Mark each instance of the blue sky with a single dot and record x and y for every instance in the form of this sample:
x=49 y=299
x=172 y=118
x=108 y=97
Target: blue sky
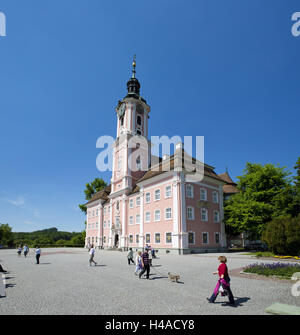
x=227 y=70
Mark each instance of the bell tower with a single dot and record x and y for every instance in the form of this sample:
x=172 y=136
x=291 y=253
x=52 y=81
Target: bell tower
x=132 y=121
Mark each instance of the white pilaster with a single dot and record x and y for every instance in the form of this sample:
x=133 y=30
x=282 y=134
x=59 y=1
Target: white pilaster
x=123 y=236
x=223 y=235
x=175 y=235
x=99 y=224
x=141 y=240
x=184 y=234
x=110 y=242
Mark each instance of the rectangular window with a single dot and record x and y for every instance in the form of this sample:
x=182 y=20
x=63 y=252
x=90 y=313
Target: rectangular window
x=157 y=194
x=216 y=216
x=157 y=238
x=108 y=209
x=104 y=239
x=96 y=212
x=138 y=201
x=191 y=238
x=147 y=217
x=168 y=213
x=203 y=194
x=189 y=191
x=190 y=213
x=131 y=203
x=130 y=238
x=148 y=240
x=204 y=238
x=168 y=237
x=147 y=198
x=157 y=215
x=130 y=219
x=104 y=210
x=204 y=215
x=108 y=224
x=93 y=213
x=217 y=238
x=96 y=239
x=117 y=223
x=215 y=197
x=137 y=238
x=104 y=224
x=168 y=192
x=92 y=239
x=137 y=219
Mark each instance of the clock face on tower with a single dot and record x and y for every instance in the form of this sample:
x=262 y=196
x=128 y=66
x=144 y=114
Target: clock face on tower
x=121 y=110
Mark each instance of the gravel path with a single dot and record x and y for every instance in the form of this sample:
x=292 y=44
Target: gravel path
x=63 y=283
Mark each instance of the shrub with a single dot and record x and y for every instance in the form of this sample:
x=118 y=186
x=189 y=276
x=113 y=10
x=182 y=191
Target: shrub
x=283 y=235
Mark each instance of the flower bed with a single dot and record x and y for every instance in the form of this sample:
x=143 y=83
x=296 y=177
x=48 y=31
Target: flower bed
x=285 y=270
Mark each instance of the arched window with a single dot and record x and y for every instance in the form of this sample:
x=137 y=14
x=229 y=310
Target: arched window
x=139 y=120
x=138 y=163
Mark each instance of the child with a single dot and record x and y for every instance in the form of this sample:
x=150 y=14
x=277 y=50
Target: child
x=138 y=263
x=37 y=254
x=19 y=250
x=130 y=256
x=223 y=282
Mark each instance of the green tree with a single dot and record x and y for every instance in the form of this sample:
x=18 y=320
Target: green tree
x=6 y=235
x=294 y=207
x=265 y=191
x=90 y=189
x=282 y=235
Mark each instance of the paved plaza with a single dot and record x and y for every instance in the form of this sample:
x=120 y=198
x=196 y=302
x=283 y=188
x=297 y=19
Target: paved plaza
x=64 y=283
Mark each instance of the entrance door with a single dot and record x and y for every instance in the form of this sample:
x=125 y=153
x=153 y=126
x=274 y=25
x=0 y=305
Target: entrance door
x=116 y=240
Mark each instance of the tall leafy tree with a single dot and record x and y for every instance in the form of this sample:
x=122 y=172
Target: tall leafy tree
x=91 y=188
x=265 y=191
x=294 y=208
x=6 y=235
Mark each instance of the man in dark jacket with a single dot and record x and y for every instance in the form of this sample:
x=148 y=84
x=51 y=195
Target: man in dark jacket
x=145 y=264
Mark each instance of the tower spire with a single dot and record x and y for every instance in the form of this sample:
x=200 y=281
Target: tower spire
x=133 y=67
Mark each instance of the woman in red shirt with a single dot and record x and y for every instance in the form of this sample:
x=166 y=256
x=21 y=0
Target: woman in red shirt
x=223 y=282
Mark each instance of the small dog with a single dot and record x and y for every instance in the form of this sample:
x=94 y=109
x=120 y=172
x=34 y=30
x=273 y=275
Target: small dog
x=173 y=277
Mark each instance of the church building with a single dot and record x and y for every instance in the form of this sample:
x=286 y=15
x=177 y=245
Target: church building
x=154 y=206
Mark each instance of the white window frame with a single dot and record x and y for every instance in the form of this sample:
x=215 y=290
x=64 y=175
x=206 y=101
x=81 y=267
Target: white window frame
x=218 y=214
x=193 y=213
x=138 y=201
x=131 y=219
x=155 y=238
x=148 y=212
x=166 y=193
x=155 y=194
x=137 y=238
x=148 y=193
x=129 y=238
x=215 y=200
x=205 y=232
x=206 y=214
x=205 y=192
x=168 y=232
x=192 y=191
x=168 y=218
x=157 y=210
x=217 y=233
x=137 y=219
x=146 y=238
x=192 y=232
x=130 y=203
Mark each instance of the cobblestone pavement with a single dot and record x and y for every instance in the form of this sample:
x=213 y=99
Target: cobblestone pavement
x=64 y=283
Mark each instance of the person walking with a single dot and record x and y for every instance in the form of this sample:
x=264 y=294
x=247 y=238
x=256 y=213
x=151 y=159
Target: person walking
x=19 y=250
x=92 y=254
x=150 y=255
x=145 y=264
x=25 y=250
x=130 y=256
x=223 y=284
x=138 y=263
x=37 y=254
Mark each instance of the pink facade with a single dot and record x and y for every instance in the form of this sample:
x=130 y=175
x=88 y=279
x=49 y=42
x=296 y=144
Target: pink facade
x=163 y=209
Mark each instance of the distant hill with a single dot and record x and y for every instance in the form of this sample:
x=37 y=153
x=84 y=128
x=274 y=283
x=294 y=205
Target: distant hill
x=48 y=237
